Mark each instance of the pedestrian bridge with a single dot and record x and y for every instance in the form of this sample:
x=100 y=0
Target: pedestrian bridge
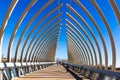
x=30 y=30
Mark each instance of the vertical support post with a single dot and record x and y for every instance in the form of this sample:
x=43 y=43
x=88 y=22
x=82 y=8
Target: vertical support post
x=29 y=69
x=11 y=73
x=18 y=69
x=82 y=71
x=101 y=77
x=37 y=68
x=40 y=66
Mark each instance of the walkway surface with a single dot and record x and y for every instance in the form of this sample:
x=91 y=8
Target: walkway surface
x=50 y=73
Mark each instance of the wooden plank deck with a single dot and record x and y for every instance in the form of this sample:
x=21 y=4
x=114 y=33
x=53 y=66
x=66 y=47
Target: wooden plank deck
x=51 y=73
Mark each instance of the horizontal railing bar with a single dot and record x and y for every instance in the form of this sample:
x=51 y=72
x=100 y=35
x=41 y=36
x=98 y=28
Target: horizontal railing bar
x=4 y=66
x=96 y=70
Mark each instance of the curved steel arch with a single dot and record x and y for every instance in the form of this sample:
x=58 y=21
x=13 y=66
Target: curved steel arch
x=78 y=41
x=88 y=27
x=76 y=56
x=79 y=50
x=5 y=21
x=47 y=53
x=27 y=26
x=38 y=46
x=48 y=56
x=38 y=30
x=97 y=28
x=50 y=43
x=41 y=40
x=33 y=38
x=58 y=29
x=44 y=48
x=70 y=57
x=73 y=38
x=43 y=33
x=85 y=41
x=51 y=53
x=38 y=40
x=18 y=24
x=81 y=42
x=116 y=10
x=94 y=52
x=59 y=6
x=52 y=38
x=41 y=47
x=7 y=16
x=38 y=51
x=109 y=34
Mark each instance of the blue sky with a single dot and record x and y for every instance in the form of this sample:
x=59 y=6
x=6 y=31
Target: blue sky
x=61 y=51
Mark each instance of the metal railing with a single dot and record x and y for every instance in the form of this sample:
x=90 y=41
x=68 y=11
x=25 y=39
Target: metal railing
x=89 y=72
x=12 y=70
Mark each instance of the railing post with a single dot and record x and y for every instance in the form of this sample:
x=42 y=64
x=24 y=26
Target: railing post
x=92 y=75
x=101 y=77
x=18 y=72
x=40 y=67
x=79 y=69
x=11 y=73
x=85 y=71
x=82 y=71
x=29 y=68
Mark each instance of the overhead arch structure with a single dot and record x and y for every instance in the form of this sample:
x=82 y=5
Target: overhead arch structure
x=29 y=32
x=44 y=35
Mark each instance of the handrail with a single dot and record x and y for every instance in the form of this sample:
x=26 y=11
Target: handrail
x=115 y=75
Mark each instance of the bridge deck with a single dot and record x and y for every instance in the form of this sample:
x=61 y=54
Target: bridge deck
x=51 y=73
